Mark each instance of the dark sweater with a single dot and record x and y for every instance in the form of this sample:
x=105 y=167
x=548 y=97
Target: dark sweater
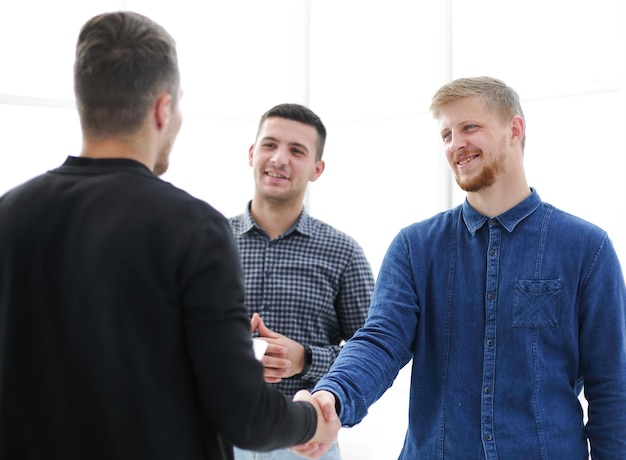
x=123 y=332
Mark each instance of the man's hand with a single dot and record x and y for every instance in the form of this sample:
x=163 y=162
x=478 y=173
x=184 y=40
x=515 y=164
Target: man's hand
x=328 y=424
x=283 y=358
x=327 y=403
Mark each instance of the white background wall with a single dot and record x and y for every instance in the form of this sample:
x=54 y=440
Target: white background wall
x=369 y=69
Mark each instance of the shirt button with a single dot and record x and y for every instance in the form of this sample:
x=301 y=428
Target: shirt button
x=488 y=437
x=490 y=296
x=487 y=390
x=494 y=253
x=490 y=342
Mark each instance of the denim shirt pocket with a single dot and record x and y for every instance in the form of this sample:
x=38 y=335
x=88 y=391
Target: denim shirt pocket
x=537 y=303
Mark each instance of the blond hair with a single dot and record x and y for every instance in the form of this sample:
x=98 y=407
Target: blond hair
x=494 y=93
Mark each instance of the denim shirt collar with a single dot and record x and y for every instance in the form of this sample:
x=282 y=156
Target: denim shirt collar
x=509 y=219
x=303 y=224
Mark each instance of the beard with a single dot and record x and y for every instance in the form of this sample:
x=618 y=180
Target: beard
x=163 y=160
x=278 y=198
x=160 y=168
x=484 y=179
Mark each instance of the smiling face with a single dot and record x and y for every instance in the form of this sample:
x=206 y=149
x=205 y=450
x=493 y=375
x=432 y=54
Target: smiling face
x=283 y=161
x=476 y=143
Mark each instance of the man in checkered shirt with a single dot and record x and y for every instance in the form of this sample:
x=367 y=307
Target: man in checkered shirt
x=308 y=285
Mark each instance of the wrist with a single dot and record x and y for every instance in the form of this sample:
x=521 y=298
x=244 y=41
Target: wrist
x=308 y=359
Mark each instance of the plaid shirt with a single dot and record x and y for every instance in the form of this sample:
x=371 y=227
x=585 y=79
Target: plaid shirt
x=312 y=284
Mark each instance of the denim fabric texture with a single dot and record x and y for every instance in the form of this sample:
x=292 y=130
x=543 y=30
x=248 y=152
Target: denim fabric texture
x=505 y=319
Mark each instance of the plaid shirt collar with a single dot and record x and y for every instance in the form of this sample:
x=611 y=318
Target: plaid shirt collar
x=303 y=224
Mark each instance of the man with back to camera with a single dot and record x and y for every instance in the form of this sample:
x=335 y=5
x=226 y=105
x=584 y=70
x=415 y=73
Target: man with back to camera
x=308 y=286
x=506 y=305
x=123 y=332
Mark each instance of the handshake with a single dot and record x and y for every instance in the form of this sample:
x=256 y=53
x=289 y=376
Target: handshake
x=328 y=424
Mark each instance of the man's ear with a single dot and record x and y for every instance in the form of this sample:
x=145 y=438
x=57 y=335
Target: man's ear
x=518 y=128
x=163 y=110
x=317 y=172
x=250 y=154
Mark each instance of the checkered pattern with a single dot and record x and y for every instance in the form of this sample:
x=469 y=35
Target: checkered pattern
x=312 y=284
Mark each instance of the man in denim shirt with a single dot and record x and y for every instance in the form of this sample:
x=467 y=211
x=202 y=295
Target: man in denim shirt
x=506 y=305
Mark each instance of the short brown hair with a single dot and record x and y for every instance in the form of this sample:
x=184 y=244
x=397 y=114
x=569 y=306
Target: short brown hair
x=123 y=60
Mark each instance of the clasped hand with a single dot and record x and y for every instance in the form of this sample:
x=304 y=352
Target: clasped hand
x=328 y=424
